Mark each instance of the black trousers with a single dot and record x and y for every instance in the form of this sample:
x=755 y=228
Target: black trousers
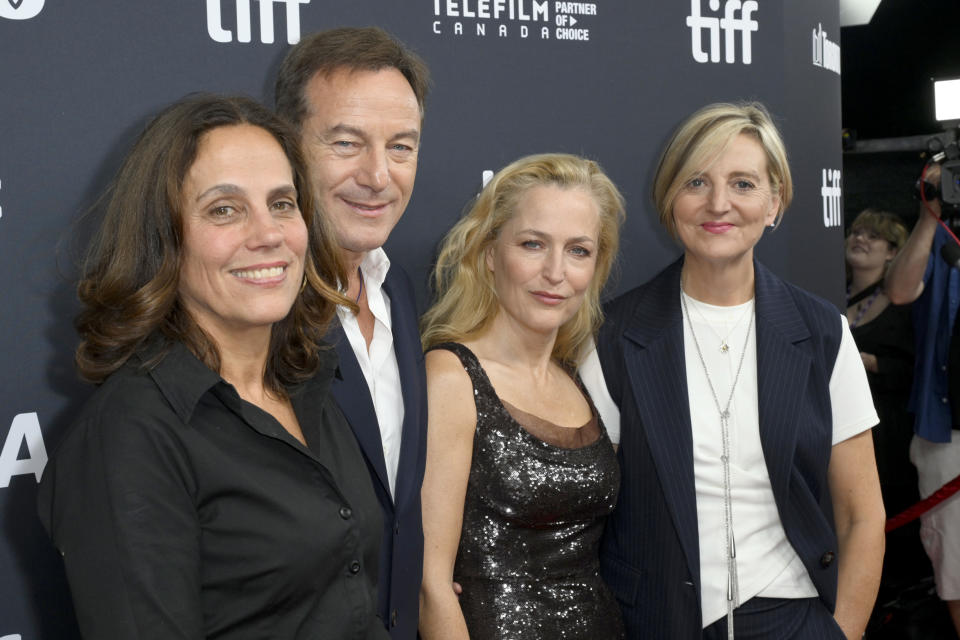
x=778 y=619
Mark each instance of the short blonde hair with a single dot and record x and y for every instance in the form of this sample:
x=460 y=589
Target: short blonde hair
x=466 y=300
x=702 y=137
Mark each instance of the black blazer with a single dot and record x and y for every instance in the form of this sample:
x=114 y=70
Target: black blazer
x=650 y=553
x=401 y=556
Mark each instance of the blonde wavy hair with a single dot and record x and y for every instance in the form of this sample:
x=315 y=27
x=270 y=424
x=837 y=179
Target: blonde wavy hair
x=466 y=300
x=702 y=138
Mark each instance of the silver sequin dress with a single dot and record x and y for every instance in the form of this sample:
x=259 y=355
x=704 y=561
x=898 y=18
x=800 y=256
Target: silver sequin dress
x=537 y=498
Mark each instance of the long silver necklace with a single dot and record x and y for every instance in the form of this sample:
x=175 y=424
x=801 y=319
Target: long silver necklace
x=733 y=584
x=724 y=345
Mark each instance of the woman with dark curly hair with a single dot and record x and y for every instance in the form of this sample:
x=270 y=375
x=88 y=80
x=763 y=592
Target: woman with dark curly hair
x=211 y=488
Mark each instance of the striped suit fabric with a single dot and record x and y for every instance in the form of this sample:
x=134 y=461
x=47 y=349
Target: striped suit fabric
x=650 y=550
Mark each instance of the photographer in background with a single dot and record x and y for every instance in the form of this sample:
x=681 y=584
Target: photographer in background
x=918 y=273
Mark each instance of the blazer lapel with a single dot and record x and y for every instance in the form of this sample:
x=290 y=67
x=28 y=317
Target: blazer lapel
x=657 y=370
x=406 y=345
x=782 y=368
x=352 y=394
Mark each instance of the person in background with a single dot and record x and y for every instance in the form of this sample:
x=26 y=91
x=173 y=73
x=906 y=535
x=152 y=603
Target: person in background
x=211 y=488
x=920 y=276
x=356 y=97
x=521 y=474
x=884 y=335
x=750 y=505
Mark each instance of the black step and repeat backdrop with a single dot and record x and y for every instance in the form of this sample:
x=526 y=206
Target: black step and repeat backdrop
x=608 y=79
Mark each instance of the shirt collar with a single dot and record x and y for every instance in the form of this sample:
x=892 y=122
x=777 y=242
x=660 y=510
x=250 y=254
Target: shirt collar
x=374 y=267
x=183 y=379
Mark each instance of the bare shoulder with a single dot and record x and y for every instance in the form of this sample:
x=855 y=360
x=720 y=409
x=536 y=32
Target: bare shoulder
x=449 y=390
x=444 y=365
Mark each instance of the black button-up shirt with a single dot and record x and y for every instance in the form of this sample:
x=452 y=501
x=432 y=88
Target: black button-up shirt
x=183 y=511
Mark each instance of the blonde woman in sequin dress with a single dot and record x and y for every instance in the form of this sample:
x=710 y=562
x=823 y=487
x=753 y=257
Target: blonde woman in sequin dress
x=520 y=471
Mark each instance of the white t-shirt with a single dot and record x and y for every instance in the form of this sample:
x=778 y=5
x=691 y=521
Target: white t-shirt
x=767 y=564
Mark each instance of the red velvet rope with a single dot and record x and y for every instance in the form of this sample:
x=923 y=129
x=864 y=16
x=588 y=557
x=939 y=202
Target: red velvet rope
x=912 y=513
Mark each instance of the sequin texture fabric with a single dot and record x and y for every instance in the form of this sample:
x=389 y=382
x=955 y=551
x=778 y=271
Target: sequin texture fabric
x=534 y=511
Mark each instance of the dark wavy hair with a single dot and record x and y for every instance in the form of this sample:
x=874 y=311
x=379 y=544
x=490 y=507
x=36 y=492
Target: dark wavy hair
x=129 y=284
x=350 y=48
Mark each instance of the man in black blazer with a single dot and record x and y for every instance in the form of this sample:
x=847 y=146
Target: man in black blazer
x=356 y=96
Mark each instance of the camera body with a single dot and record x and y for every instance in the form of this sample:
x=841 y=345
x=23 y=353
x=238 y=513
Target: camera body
x=950 y=182
x=948 y=192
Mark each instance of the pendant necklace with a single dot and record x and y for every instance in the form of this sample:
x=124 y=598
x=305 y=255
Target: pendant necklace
x=359 y=293
x=733 y=585
x=863 y=307
x=724 y=345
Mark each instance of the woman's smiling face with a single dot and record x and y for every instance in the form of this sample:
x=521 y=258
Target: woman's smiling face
x=244 y=239
x=720 y=214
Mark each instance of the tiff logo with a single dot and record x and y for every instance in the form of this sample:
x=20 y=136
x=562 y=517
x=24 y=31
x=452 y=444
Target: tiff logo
x=20 y=10
x=737 y=16
x=830 y=192
x=219 y=34
x=826 y=54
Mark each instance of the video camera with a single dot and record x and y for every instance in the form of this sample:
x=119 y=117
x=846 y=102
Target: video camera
x=949 y=159
x=950 y=181
x=948 y=193
x=946 y=99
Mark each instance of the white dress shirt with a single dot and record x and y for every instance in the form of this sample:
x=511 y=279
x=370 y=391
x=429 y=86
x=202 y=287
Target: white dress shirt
x=379 y=363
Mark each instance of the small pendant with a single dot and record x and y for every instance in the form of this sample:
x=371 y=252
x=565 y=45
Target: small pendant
x=724 y=347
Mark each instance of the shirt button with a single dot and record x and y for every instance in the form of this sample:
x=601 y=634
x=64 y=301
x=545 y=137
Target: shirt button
x=393 y=618
x=944 y=400
x=827 y=559
x=345 y=513
x=396 y=528
x=355 y=567
x=943 y=367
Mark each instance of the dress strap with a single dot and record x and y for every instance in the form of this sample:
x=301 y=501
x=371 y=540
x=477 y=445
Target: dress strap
x=483 y=388
x=466 y=356
x=593 y=408
x=471 y=364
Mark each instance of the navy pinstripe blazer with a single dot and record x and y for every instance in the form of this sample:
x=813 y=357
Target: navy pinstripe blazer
x=401 y=553
x=650 y=550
